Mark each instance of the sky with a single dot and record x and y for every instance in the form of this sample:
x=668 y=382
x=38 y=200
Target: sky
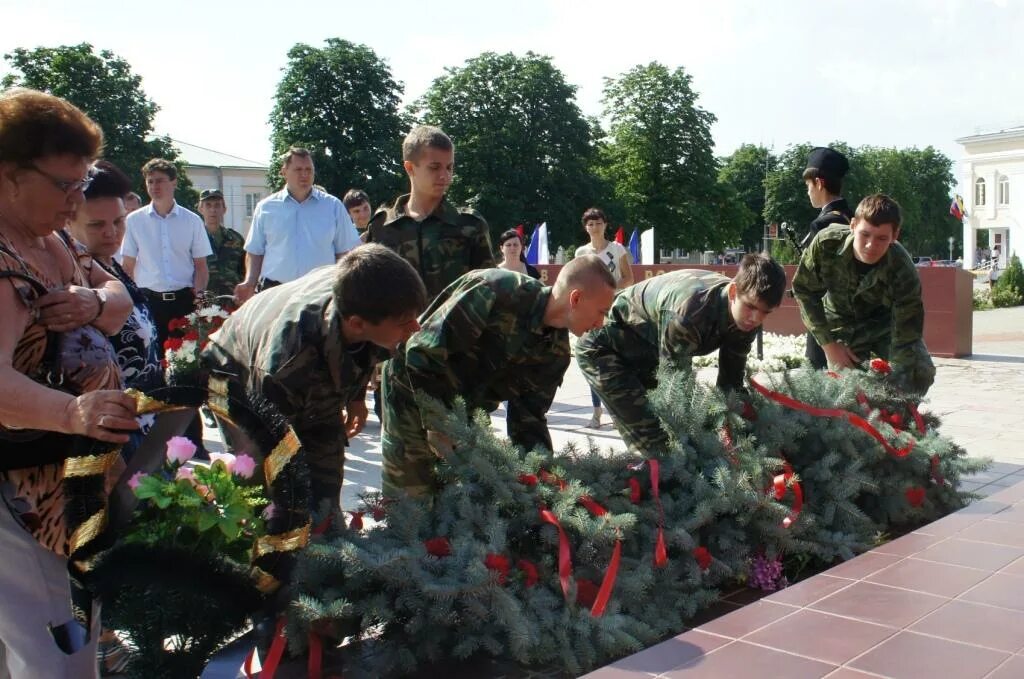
x=887 y=73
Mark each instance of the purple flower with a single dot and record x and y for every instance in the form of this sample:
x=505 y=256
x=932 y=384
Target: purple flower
x=180 y=449
x=766 y=574
x=135 y=480
x=269 y=511
x=244 y=466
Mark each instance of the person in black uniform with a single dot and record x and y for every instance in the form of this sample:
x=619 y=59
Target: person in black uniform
x=824 y=179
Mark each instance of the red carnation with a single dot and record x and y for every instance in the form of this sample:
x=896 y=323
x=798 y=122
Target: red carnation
x=703 y=557
x=529 y=572
x=498 y=563
x=176 y=323
x=634 y=490
x=586 y=593
x=191 y=335
x=528 y=479
x=880 y=365
x=357 y=521
x=915 y=496
x=438 y=547
x=172 y=344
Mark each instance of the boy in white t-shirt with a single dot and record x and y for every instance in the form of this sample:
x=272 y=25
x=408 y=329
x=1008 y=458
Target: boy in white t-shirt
x=617 y=259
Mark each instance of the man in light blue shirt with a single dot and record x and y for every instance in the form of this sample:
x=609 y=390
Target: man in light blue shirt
x=295 y=230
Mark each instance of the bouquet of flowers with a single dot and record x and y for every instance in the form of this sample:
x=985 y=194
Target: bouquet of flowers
x=179 y=583
x=189 y=336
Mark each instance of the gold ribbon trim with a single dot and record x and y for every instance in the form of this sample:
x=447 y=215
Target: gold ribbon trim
x=145 y=404
x=279 y=457
x=89 y=465
x=265 y=582
x=88 y=531
x=282 y=542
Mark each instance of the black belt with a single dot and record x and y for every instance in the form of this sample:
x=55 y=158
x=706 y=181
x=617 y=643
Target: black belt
x=266 y=284
x=165 y=296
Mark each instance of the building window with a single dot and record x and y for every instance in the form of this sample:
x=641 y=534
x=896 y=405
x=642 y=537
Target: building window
x=251 y=199
x=979 y=191
x=1003 y=196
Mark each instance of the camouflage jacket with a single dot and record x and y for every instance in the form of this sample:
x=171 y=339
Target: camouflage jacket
x=682 y=314
x=876 y=309
x=442 y=247
x=286 y=345
x=227 y=263
x=484 y=338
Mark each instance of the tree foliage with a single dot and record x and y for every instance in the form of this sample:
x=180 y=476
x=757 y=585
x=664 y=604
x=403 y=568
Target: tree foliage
x=745 y=170
x=342 y=103
x=659 y=155
x=524 y=153
x=104 y=86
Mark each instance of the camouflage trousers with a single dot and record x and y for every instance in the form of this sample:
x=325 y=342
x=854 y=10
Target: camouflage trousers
x=621 y=367
x=409 y=458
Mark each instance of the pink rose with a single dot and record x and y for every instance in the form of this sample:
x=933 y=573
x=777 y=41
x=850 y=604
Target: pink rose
x=135 y=480
x=180 y=449
x=226 y=458
x=244 y=466
x=185 y=473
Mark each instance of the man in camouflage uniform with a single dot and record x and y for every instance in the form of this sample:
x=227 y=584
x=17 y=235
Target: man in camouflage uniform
x=227 y=263
x=860 y=294
x=671 y=318
x=309 y=347
x=440 y=241
x=491 y=336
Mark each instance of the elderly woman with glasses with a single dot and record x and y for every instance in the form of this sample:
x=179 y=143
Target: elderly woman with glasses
x=58 y=373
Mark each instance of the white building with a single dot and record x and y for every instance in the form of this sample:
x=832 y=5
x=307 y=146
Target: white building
x=992 y=180
x=243 y=182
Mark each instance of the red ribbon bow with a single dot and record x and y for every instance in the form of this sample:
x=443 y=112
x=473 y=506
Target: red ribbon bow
x=660 y=552
x=779 y=483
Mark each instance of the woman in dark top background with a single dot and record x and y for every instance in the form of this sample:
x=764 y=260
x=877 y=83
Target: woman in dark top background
x=511 y=247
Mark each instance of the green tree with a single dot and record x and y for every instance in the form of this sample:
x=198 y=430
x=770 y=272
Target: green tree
x=103 y=86
x=342 y=103
x=745 y=170
x=524 y=151
x=659 y=155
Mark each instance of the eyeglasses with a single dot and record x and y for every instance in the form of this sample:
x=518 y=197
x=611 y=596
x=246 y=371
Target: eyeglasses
x=63 y=184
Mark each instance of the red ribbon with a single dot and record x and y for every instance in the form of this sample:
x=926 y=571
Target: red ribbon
x=269 y=668
x=918 y=420
x=592 y=506
x=608 y=583
x=564 y=557
x=660 y=552
x=357 y=521
x=780 y=482
x=725 y=435
x=853 y=419
x=634 y=490
x=322 y=527
x=314 y=667
x=936 y=473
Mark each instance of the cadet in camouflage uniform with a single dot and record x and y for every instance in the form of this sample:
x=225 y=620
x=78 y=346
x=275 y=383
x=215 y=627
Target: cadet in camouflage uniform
x=860 y=294
x=671 y=318
x=309 y=347
x=441 y=242
x=491 y=336
x=227 y=263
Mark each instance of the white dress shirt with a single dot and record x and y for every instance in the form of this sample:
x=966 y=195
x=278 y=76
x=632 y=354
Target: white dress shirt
x=164 y=247
x=295 y=238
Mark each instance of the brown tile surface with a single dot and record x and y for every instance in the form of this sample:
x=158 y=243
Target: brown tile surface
x=863 y=565
x=661 y=657
x=1005 y=591
x=1015 y=568
x=929 y=577
x=1011 y=669
x=1013 y=515
x=847 y=673
x=909 y=544
x=914 y=656
x=879 y=604
x=982 y=555
x=747 y=619
x=821 y=636
x=740 y=660
x=993 y=530
x=976 y=624
x=808 y=591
